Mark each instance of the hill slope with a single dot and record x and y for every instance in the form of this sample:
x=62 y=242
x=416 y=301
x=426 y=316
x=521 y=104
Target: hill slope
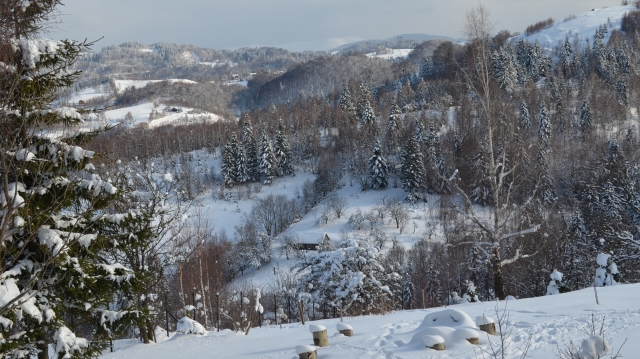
x=550 y=322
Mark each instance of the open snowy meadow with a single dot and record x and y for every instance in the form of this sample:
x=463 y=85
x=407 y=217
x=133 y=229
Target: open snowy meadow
x=542 y=327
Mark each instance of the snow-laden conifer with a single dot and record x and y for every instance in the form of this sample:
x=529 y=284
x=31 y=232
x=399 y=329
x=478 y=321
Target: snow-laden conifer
x=412 y=172
x=378 y=173
x=282 y=152
x=268 y=164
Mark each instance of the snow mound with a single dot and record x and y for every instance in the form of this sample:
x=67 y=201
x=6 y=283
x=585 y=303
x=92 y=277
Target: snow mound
x=453 y=325
x=342 y=326
x=187 y=325
x=431 y=340
x=593 y=347
x=302 y=349
x=316 y=328
x=160 y=333
x=447 y=318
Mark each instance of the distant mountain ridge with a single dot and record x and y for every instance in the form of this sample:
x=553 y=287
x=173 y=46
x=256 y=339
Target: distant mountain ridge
x=405 y=41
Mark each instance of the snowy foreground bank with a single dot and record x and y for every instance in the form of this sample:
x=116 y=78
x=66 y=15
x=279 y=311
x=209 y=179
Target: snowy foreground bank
x=551 y=322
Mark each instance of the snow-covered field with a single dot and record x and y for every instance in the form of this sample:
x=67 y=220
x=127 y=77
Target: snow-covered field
x=548 y=322
x=584 y=26
x=393 y=54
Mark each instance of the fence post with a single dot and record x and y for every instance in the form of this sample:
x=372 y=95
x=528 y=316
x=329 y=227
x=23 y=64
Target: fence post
x=218 y=309
x=166 y=312
x=275 y=307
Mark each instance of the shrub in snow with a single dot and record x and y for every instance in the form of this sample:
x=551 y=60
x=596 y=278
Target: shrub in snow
x=470 y=295
x=454 y=298
x=556 y=286
x=187 y=325
x=607 y=270
x=347 y=275
x=593 y=347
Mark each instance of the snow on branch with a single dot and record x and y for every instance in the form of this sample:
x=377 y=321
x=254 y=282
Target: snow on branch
x=523 y=232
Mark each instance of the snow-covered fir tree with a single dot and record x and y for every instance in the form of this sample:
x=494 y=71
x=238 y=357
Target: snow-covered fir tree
x=418 y=130
x=525 y=116
x=427 y=69
x=250 y=151
x=544 y=129
x=408 y=291
x=364 y=97
x=585 y=116
x=345 y=101
x=241 y=166
x=394 y=124
x=412 y=173
x=229 y=160
x=282 y=151
x=368 y=116
x=51 y=203
x=436 y=180
x=268 y=163
x=378 y=173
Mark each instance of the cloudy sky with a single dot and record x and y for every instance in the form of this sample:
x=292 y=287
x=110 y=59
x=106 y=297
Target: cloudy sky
x=235 y=23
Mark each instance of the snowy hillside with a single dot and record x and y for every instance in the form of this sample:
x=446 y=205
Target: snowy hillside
x=549 y=323
x=583 y=26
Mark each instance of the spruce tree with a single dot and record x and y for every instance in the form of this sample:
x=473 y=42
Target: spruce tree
x=368 y=116
x=525 y=117
x=436 y=171
x=585 y=116
x=412 y=173
x=544 y=131
x=364 y=97
x=418 y=130
x=393 y=120
x=268 y=164
x=378 y=173
x=250 y=151
x=345 y=101
x=229 y=159
x=51 y=202
x=282 y=152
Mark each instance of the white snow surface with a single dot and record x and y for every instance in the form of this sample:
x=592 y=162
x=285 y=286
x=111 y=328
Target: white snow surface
x=550 y=321
x=392 y=54
x=343 y=326
x=584 y=26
